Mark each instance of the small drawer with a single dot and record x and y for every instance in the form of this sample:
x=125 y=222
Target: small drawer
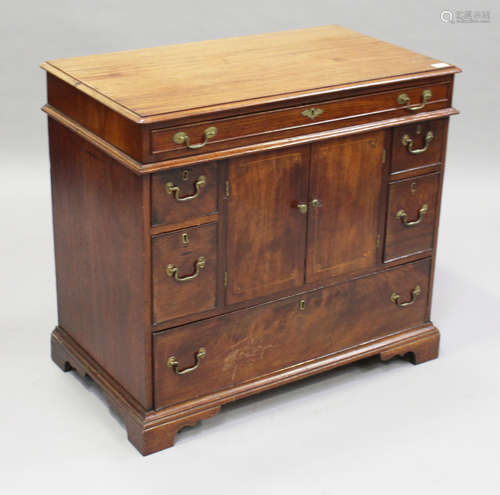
x=411 y=216
x=232 y=132
x=184 y=272
x=417 y=145
x=218 y=353
x=183 y=194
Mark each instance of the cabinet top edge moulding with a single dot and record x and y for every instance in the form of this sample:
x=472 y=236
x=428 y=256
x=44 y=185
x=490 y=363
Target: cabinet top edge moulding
x=241 y=75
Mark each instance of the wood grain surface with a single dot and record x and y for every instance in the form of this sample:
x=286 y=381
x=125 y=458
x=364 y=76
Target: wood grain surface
x=102 y=256
x=210 y=75
x=403 y=160
x=346 y=177
x=172 y=298
x=167 y=210
x=266 y=233
x=247 y=344
x=410 y=195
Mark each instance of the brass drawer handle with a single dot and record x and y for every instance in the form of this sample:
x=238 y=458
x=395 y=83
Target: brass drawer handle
x=173 y=363
x=403 y=216
x=408 y=142
x=175 y=190
x=182 y=137
x=316 y=203
x=395 y=297
x=404 y=99
x=173 y=271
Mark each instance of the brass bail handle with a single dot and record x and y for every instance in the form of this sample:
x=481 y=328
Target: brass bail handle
x=182 y=137
x=403 y=216
x=174 y=363
x=404 y=99
x=173 y=271
x=171 y=188
x=407 y=141
x=396 y=298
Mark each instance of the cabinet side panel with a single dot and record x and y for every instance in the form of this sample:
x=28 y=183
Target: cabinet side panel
x=101 y=254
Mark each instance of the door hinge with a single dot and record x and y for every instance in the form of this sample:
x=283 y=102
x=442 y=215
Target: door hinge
x=384 y=154
x=378 y=240
x=226 y=191
x=225 y=279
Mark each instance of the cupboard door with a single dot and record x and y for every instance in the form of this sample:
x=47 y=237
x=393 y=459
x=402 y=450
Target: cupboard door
x=266 y=231
x=346 y=178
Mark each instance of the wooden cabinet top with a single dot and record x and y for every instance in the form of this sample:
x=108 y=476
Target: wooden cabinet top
x=194 y=79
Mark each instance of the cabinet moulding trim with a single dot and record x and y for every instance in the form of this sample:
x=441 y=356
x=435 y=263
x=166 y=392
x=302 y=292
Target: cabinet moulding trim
x=231 y=106
x=140 y=168
x=100 y=143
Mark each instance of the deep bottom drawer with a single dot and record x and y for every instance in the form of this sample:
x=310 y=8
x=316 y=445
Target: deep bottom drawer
x=243 y=345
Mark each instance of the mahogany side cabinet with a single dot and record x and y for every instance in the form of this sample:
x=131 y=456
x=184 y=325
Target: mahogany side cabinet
x=234 y=215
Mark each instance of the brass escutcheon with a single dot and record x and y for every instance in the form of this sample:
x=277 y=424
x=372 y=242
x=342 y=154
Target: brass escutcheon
x=312 y=113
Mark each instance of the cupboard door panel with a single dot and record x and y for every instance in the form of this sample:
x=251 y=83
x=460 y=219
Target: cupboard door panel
x=346 y=177
x=266 y=232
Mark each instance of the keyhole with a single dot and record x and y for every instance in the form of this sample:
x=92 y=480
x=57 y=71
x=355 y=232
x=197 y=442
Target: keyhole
x=185 y=174
x=413 y=187
x=185 y=239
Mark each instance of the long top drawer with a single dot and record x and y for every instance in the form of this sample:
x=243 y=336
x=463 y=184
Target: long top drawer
x=214 y=135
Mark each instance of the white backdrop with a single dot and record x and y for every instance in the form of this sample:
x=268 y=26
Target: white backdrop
x=382 y=427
